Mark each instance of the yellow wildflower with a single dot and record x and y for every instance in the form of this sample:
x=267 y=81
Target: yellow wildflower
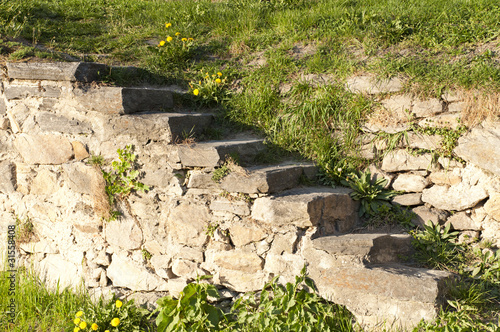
x=83 y=325
x=177 y=33
x=79 y=314
x=213 y=75
x=168 y=25
x=115 y=321
x=196 y=92
x=76 y=329
x=118 y=303
x=199 y=82
x=162 y=43
x=218 y=80
x=169 y=39
x=77 y=321
x=184 y=39
x=106 y=331
x=190 y=39
x=94 y=327
x=219 y=74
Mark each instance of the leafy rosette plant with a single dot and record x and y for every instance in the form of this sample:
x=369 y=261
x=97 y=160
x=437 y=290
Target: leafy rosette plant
x=372 y=193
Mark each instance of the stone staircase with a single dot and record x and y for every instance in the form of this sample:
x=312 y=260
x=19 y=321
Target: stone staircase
x=268 y=223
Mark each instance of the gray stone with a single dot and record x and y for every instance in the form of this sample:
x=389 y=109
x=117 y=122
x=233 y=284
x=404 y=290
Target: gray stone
x=400 y=105
x=3 y=108
x=370 y=85
x=462 y=221
x=244 y=233
x=55 y=123
x=264 y=179
x=23 y=92
x=284 y=243
x=201 y=179
x=446 y=120
x=124 y=272
x=421 y=141
x=408 y=199
x=241 y=281
x=123 y=233
x=44 y=149
x=58 y=71
x=7 y=177
x=402 y=160
x=81 y=178
x=236 y=260
x=426 y=108
x=332 y=210
x=423 y=215
x=445 y=178
x=185 y=229
x=370 y=248
x=211 y=154
x=455 y=198
x=116 y=100
x=492 y=206
x=410 y=183
x=469 y=237
x=45 y=183
x=240 y=208
x=482 y=147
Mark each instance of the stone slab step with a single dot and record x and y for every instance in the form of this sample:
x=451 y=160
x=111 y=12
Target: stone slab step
x=117 y=100
x=368 y=248
x=257 y=179
x=332 y=210
x=56 y=71
x=213 y=153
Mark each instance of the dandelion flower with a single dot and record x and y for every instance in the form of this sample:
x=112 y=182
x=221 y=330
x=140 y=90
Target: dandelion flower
x=218 y=81
x=83 y=325
x=219 y=74
x=94 y=327
x=177 y=33
x=162 y=43
x=115 y=321
x=190 y=39
x=76 y=329
x=77 y=321
x=79 y=314
x=168 y=25
x=199 y=82
x=106 y=331
x=196 y=92
x=118 y=303
x=169 y=39
x=184 y=39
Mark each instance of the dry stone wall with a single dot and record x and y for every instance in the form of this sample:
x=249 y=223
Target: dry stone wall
x=255 y=223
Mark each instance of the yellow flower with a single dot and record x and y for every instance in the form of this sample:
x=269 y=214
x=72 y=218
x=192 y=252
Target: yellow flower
x=199 y=82
x=168 y=25
x=184 y=39
x=218 y=80
x=162 y=43
x=169 y=39
x=196 y=92
x=83 y=325
x=106 y=331
x=79 y=314
x=190 y=39
x=94 y=327
x=219 y=74
x=77 y=321
x=118 y=303
x=213 y=75
x=115 y=321
x=177 y=33
x=76 y=329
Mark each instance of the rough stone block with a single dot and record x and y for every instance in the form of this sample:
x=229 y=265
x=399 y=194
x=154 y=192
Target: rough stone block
x=236 y=260
x=241 y=281
x=402 y=160
x=445 y=178
x=22 y=92
x=49 y=122
x=244 y=233
x=211 y=154
x=410 y=183
x=421 y=141
x=370 y=85
x=240 y=208
x=45 y=183
x=3 y=108
x=408 y=199
x=455 y=198
x=446 y=120
x=80 y=150
x=81 y=178
x=58 y=71
x=44 y=149
x=462 y=221
x=425 y=214
x=492 y=206
x=54 y=270
x=185 y=229
x=123 y=233
x=116 y=100
x=426 y=108
x=399 y=105
x=332 y=210
x=7 y=177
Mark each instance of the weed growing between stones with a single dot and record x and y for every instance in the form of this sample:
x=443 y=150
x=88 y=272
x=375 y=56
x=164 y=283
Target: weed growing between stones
x=25 y=231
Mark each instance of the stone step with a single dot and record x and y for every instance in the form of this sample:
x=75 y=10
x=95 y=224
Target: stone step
x=367 y=248
x=56 y=71
x=213 y=153
x=331 y=210
x=257 y=179
x=117 y=100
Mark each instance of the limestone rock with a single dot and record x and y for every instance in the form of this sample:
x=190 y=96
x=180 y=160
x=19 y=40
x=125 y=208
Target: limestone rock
x=492 y=206
x=81 y=178
x=284 y=243
x=242 y=281
x=79 y=150
x=284 y=264
x=124 y=272
x=185 y=229
x=410 y=183
x=49 y=122
x=161 y=264
x=399 y=105
x=425 y=214
x=461 y=221
x=369 y=85
x=445 y=178
x=421 y=141
x=123 y=233
x=45 y=183
x=457 y=107
x=408 y=199
x=56 y=270
x=237 y=260
x=426 y=108
x=481 y=147
x=186 y=269
x=7 y=177
x=455 y=198
x=445 y=120
x=23 y=92
x=240 y=208
x=44 y=149
x=244 y=233
x=402 y=160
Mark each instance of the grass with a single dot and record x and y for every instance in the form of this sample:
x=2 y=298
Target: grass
x=264 y=49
